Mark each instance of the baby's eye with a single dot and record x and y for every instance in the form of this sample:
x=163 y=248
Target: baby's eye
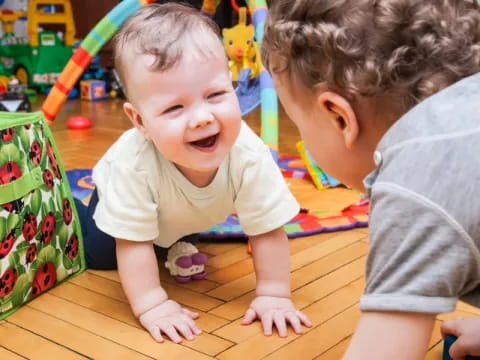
x=216 y=94
x=173 y=108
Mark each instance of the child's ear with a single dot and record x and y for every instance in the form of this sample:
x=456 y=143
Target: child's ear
x=135 y=118
x=341 y=114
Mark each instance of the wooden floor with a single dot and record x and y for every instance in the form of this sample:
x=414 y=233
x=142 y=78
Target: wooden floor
x=88 y=317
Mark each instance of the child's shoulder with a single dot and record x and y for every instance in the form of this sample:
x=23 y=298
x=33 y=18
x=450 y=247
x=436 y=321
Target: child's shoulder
x=129 y=150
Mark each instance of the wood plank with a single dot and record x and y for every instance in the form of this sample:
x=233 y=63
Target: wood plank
x=436 y=352
x=213 y=248
x=29 y=345
x=331 y=332
x=71 y=336
x=335 y=352
x=6 y=354
x=114 y=290
x=120 y=310
x=247 y=283
x=229 y=257
x=134 y=337
x=319 y=312
x=315 y=290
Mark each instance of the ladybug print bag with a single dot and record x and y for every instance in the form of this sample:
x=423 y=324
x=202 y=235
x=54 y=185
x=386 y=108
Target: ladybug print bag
x=40 y=234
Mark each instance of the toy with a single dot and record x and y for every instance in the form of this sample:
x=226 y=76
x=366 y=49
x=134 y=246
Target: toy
x=93 y=90
x=84 y=54
x=14 y=99
x=448 y=342
x=241 y=48
x=209 y=7
x=185 y=262
x=79 y=122
x=38 y=59
x=320 y=178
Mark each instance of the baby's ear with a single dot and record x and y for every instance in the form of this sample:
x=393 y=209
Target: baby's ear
x=340 y=113
x=136 y=119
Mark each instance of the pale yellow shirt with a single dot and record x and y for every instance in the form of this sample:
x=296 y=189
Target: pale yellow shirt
x=143 y=196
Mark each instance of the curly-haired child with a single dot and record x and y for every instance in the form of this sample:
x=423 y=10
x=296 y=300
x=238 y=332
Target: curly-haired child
x=386 y=94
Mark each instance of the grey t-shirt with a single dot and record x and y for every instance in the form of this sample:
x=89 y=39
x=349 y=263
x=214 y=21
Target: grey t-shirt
x=425 y=211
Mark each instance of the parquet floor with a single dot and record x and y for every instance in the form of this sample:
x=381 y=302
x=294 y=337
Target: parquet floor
x=88 y=317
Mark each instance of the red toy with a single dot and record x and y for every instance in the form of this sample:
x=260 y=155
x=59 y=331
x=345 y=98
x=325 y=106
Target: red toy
x=79 y=122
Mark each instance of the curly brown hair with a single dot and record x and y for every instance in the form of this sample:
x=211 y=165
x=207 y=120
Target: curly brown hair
x=162 y=30
x=410 y=48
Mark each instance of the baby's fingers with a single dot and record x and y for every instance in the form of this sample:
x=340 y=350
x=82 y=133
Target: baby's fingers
x=184 y=329
x=191 y=314
x=294 y=322
x=156 y=333
x=267 y=323
x=192 y=325
x=304 y=318
x=279 y=320
x=171 y=332
x=249 y=317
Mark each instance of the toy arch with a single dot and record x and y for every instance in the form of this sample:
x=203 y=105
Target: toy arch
x=109 y=25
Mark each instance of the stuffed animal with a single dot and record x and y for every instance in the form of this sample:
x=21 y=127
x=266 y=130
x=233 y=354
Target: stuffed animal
x=185 y=262
x=242 y=51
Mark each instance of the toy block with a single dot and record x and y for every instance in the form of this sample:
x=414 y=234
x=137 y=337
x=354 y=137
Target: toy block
x=93 y=90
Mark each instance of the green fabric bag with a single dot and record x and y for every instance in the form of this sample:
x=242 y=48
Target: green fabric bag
x=40 y=234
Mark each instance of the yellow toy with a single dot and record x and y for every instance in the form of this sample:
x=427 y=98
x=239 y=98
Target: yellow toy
x=36 y=18
x=240 y=47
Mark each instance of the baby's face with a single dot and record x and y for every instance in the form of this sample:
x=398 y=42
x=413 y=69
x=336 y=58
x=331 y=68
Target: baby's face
x=190 y=111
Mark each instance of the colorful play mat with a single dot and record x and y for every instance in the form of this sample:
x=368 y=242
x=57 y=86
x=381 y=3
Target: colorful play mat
x=305 y=223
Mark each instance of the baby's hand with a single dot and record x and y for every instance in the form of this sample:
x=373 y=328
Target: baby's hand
x=276 y=310
x=467 y=331
x=172 y=320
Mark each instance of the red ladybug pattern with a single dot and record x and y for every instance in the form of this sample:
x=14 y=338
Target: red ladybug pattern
x=45 y=278
x=53 y=160
x=48 y=228
x=41 y=218
x=31 y=253
x=29 y=228
x=7 y=282
x=35 y=153
x=48 y=178
x=10 y=171
x=72 y=247
x=14 y=206
x=7 y=134
x=7 y=244
x=67 y=211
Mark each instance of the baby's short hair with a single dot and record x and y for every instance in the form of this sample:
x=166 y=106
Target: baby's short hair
x=410 y=48
x=162 y=30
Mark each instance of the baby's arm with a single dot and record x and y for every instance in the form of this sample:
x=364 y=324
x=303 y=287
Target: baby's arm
x=391 y=335
x=138 y=270
x=271 y=257
x=467 y=330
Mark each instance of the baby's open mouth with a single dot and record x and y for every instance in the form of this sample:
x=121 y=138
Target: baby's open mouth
x=206 y=142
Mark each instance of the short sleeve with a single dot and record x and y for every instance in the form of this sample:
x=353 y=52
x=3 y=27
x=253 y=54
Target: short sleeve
x=263 y=202
x=126 y=207
x=420 y=258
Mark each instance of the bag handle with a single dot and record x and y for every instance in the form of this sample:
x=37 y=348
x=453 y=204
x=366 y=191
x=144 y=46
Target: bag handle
x=21 y=186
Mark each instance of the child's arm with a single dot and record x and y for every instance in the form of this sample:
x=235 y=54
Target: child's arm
x=138 y=270
x=467 y=330
x=391 y=335
x=271 y=258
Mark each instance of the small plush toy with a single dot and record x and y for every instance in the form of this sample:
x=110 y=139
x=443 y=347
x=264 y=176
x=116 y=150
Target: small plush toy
x=185 y=262
x=241 y=48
